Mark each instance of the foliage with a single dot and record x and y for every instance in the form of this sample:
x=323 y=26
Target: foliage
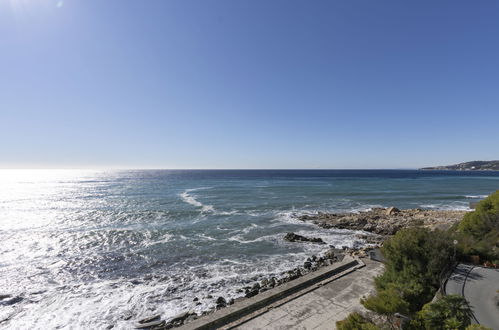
x=478 y=232
x=356 y=321
x=449 y=313
x=415 y=259
x=387 y=301
x=477 y=327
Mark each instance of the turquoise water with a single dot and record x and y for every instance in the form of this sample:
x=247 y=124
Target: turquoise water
x=86 y=249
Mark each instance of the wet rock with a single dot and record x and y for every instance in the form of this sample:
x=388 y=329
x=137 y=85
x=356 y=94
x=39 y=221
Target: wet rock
x=292 y=237
x=12 y=301
x=190 y=318
x=231 y=301
x=179 y=317
x=221 y=302
x=4 y=296
x=110 y=326
x=149 y=319
x=195 y=299
x=209 y=296
x=330 y=254
x=256 y=286
x=307 y=265
x=251 y=293
x=153 y=324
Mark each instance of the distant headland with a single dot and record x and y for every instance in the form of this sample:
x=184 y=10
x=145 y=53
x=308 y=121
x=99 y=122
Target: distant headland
x=476 y=165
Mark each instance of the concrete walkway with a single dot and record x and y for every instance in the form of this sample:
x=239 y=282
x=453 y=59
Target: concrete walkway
x=322 y=307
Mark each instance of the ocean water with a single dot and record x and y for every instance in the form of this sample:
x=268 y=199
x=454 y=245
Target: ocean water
x=87 y=249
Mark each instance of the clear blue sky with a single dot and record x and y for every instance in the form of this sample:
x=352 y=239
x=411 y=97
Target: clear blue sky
x=248 y=84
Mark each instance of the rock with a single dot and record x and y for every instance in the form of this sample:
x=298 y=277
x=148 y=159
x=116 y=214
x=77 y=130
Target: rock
x=221 y=302
x=252 y=293
x=13 y=301
x=231 y=301
x=329 y=254
x=256 y=286
x=179 y=317
x=209 y=296
x=151 y=325
x=195 y=299
x=292 y=237
x=190 y=318
x=110 y=326
x=392 y=210
x=386 y=221
x=307 y=265
x=150 y=319
x=4 y=296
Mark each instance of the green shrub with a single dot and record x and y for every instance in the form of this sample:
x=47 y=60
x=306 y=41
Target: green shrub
x=415 y=258
x=449 y=313
x=477 y=327
x=387 y=301
x=478 y=232
x=355 y=321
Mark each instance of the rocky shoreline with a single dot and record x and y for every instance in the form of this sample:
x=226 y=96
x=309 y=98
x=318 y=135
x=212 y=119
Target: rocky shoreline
x=387 y=221
x=379 y=223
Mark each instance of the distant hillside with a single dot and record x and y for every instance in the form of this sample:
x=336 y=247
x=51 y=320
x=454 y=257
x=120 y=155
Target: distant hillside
x=477 y=165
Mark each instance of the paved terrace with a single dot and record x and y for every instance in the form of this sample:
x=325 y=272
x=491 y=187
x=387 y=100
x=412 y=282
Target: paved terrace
x=315 y=301
x=322 y=307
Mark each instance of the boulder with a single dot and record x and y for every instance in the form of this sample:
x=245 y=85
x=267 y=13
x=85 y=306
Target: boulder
x=157 y=324
x=251 y=293
x=221 y=302
x=392 y=210
x=292 y=237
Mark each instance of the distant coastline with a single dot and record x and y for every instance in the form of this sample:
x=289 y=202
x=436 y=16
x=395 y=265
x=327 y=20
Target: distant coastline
x=477 y=165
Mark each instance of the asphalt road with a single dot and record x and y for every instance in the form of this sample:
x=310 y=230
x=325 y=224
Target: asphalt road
x=480 y=287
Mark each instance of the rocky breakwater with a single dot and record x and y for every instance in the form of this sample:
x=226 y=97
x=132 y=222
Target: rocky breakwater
x=386 y=221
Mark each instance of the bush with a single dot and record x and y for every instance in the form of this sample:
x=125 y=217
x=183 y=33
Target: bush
x=478 y=232
x=477 y=327
x=387 y=302
x=355 y=321
x=449 y=313
x=415 y=258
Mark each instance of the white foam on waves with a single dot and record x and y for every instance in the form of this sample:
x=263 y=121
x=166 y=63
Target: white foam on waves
x=188 y=198
x=447 y=207
x=476 y=196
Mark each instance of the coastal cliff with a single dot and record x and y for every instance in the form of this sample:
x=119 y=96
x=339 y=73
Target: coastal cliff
x=477 y=165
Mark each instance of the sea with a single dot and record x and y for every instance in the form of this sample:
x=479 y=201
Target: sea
x=88 y=249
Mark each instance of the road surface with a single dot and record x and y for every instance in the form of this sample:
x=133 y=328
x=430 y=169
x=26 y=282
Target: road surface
x=480 y=287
